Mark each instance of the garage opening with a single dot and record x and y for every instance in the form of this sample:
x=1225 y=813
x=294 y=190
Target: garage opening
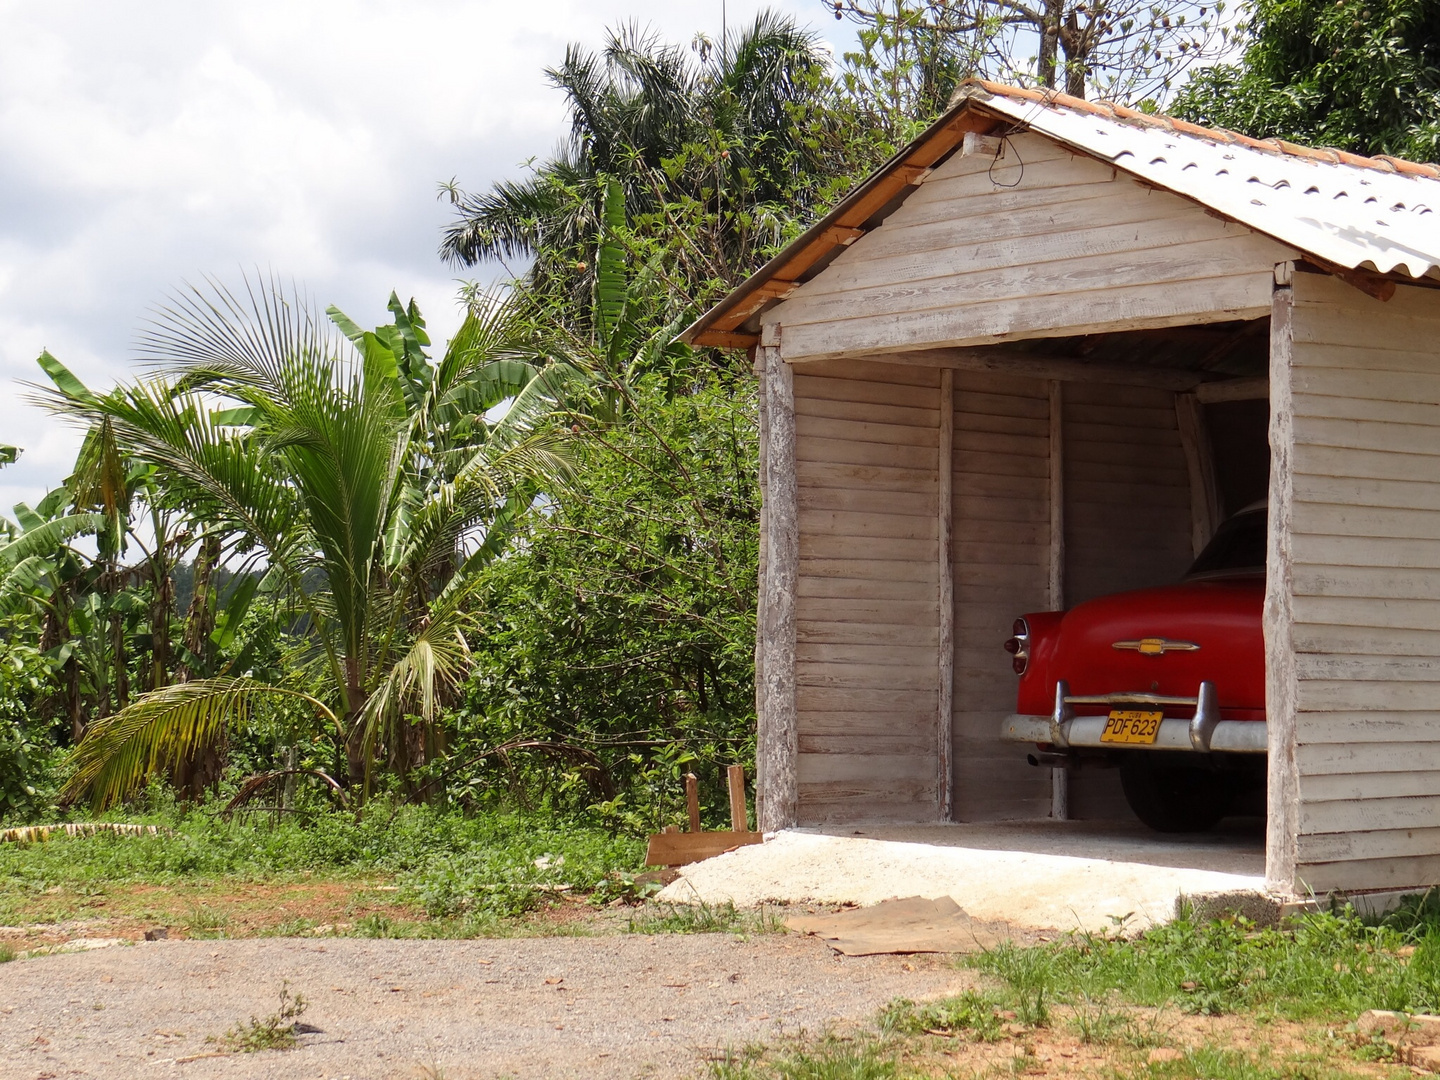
x=1145 y=464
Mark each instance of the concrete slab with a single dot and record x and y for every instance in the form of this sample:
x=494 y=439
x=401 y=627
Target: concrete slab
x=1049 y=875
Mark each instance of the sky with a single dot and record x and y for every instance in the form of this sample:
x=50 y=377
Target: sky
x=148 y=143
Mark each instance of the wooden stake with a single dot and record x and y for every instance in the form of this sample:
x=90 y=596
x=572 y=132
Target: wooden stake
x=738 y=819
x=692 y=800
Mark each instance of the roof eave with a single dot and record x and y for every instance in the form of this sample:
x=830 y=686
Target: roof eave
x=722 y=325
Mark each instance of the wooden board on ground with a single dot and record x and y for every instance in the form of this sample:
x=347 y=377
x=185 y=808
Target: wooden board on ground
x=912 y=925
x=678 y=849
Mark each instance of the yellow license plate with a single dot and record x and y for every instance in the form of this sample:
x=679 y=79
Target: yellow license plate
x=1133 y=726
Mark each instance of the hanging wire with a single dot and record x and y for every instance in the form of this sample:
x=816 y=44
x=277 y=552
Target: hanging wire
x=1005 y=140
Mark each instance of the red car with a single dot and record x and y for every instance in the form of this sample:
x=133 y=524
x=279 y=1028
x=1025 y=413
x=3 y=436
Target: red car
x=1167 y=683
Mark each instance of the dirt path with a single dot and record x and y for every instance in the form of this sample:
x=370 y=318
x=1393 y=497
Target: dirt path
x=622 y=1006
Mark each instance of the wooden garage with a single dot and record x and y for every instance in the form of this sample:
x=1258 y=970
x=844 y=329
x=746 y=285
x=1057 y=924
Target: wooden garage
x=1036 y=359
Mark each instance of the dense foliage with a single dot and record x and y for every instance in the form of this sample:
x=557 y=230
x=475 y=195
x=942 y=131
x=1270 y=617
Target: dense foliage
x=1360 y=75
x=624 y=621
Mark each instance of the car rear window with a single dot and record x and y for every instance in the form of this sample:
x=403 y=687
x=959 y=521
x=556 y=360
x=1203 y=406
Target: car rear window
x=1238 y=545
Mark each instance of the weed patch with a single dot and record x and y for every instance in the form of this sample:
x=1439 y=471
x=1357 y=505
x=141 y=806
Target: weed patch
x=1098 y=1023
x=703 y=918
x=973 y=1015
x=829 y=1059
x=1212 y=1062
x=275 y=1032
x=6 y=954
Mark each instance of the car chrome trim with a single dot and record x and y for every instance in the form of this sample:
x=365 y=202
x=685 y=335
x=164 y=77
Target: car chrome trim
x=1156 y=646
x=1203 y=733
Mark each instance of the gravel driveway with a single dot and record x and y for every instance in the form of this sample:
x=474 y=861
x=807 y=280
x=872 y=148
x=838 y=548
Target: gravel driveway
x=598 y=1007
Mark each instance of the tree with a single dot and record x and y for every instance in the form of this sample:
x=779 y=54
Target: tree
x=366 y=482
x=1360 y=75
x=913 y=52
x=720 y=153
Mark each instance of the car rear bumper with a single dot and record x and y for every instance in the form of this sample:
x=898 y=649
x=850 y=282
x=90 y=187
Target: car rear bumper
x=1203 y=732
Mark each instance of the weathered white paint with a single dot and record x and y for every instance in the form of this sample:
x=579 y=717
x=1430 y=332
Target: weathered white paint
x=869 y=678
x=1063 y=245
x=1355 y=604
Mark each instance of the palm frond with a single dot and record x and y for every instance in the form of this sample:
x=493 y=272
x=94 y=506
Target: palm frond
x=119 y=753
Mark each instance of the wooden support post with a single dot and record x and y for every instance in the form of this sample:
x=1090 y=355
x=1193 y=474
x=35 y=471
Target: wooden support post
x=738 y=819
x=777 y=749
x=692 y=800
x=946 y=572
x=1205 y=510
x=1281 y=684
x=1059 y=778
x=758 y=362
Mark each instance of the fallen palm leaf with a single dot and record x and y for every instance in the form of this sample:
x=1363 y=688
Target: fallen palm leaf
x=36 y=834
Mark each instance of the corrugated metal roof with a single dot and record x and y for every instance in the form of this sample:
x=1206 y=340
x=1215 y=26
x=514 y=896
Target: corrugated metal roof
x=1378 y=214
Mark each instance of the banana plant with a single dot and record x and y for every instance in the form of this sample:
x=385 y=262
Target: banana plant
x=621 y=350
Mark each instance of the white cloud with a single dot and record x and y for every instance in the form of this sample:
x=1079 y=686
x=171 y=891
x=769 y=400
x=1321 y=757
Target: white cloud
x=148 y=142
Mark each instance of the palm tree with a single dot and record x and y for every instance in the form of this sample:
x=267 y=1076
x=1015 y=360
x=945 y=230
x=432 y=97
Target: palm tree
x=367 y=483
x=731 y=136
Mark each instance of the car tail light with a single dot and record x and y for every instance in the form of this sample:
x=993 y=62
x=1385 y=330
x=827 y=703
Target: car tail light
x=1019 y=646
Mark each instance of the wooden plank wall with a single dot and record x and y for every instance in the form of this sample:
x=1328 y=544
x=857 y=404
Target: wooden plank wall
x=1364 y=565
x=1127 y=520
x=1001 y=516
x=991 y=250
x=867 y=612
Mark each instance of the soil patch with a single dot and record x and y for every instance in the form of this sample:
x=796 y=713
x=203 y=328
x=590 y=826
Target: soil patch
x=611 y=1007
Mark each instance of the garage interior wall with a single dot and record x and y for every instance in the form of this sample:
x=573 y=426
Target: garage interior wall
x=867 y=610
x=1355 y=638
x=1127 y=526
x=867 y=615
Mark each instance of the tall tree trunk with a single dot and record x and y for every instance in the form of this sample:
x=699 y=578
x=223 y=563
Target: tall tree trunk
x=121 y=680
x=1077 y=53
x=71 y=678
x=200 y=616
x=1054 y=17
x=160 y=606
x=192 y=778
x=355 y=698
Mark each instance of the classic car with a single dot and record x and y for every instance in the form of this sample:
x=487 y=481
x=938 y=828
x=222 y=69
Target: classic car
x=1168 y=683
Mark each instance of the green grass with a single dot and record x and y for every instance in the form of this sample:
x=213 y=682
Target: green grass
x=702 y=918
x=1212 y=1062
x=497 y=865
x=973 y=1015
x=6 y=954
x=1315 y=966
x=828 y=1059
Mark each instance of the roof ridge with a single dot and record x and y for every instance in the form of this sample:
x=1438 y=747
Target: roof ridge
x=1053 y=98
